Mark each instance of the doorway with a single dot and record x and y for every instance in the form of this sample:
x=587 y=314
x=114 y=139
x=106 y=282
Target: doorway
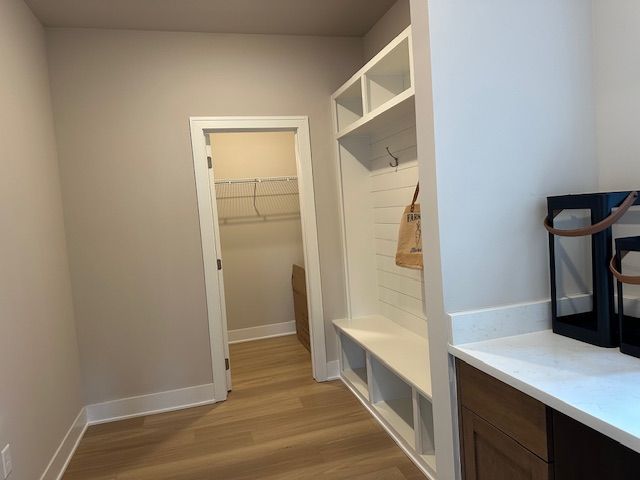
x=229 y=198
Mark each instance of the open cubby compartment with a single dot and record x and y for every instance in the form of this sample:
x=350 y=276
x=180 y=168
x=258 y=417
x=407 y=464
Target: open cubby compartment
x=425 y=439
x=392 y=398
x=390 y=76
x=354 y=365
x=349 y=104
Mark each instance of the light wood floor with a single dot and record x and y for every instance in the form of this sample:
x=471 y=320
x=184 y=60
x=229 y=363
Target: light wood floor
x=278 y=423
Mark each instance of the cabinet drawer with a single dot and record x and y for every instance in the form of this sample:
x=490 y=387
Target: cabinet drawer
x=518 y=415
x=491 y=454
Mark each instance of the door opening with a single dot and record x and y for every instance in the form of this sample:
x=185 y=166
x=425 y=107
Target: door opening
x=257 y=215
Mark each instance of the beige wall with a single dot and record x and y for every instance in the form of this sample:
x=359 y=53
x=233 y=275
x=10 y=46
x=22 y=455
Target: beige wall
x=130 y=203
x=257 y=252
x=39 y=374
x=387 y=28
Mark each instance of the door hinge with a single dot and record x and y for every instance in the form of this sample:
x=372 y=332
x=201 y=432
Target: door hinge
x=226 y=364
x=209 y=162
x=219 y=264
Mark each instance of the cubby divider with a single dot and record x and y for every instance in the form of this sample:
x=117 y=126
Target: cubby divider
x=425 y=440
x=392 y=398
x=389 y=77
x=354 y=365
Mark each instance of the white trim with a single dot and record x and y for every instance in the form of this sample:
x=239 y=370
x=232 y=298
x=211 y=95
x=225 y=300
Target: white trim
x=150 y=404
x=333 y=370
x=241 y=335
x=61 y=458
x=200 y=126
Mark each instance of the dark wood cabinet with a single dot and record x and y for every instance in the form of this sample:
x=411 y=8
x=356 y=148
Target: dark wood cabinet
x=521 y=417
x=585 y=454
x=490 y=454
x=508 y=435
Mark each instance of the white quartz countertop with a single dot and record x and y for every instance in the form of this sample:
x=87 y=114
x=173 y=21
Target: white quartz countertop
x=599 y=387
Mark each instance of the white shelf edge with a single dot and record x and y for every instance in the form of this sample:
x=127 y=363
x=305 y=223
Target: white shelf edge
x=427 y=395
x=374 y=114
x=413 y=455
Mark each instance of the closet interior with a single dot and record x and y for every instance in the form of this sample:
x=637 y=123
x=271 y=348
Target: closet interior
x=254 y=176
x=384 y=357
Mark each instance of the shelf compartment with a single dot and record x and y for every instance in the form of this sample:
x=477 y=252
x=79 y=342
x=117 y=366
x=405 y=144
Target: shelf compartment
x=425 y=431
x=389 y=77
x=392 y=399
x=399 y=349
x=354 y=365
x=349 y=105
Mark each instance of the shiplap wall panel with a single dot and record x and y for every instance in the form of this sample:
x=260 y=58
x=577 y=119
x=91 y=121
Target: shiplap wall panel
x=400 y=300
x=404 y=177
x=388 y=215
x=386 y=231
x=388 y=264
x=400 y=290
x=394 y=197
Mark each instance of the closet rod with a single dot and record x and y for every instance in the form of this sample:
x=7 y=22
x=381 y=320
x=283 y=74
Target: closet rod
x=255 y=180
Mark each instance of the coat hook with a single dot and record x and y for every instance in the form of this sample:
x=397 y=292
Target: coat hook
x=396 y=160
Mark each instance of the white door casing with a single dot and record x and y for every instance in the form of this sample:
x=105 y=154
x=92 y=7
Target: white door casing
x=211 y=250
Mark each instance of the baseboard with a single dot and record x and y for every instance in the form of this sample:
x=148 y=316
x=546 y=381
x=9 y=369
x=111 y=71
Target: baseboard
x=150 y=404
x=60 y=460
x=265 y=331
x=333 y=370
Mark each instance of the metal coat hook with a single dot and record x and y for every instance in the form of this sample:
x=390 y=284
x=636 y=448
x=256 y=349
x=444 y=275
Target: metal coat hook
x=396 y=160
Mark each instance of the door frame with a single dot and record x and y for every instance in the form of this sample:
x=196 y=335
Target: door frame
x=202 y=126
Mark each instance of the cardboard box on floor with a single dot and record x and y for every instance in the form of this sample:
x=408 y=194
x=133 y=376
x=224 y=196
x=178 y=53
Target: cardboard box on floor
x=299 y=284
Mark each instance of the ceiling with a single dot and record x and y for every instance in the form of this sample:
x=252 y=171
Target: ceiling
x=286 y=17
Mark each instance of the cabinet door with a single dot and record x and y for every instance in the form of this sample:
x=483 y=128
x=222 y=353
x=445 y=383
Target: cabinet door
x=489 y=454
x=584 y=454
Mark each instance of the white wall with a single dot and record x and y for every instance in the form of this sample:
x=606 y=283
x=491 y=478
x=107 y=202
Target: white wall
x=397 y=19
x=617 y=88
x=258 y=252
x=617 y=92
x=122 y=100
x=39 y=374
x=514 y=122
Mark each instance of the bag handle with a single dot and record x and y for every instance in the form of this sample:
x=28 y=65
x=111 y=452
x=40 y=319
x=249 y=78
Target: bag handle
x=598 y=227
x=628 y=279
x=415 y=196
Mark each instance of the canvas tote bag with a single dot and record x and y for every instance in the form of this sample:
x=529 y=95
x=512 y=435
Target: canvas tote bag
x=409 y=253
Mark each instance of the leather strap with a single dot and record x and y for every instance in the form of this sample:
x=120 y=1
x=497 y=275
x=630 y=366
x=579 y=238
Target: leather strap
x=598 y=227
x=628 y=279
x=415 y=196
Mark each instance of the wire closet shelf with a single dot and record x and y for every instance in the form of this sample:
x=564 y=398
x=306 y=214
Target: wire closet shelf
x=257 y=197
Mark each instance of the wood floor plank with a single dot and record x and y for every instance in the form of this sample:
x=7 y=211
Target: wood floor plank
x=278 y=424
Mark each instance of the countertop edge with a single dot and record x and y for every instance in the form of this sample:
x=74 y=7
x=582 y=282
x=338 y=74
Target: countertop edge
x=581 y=416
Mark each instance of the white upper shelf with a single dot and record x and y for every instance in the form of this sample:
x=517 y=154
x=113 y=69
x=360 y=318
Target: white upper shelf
x=404 y=352
x=379 y=94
